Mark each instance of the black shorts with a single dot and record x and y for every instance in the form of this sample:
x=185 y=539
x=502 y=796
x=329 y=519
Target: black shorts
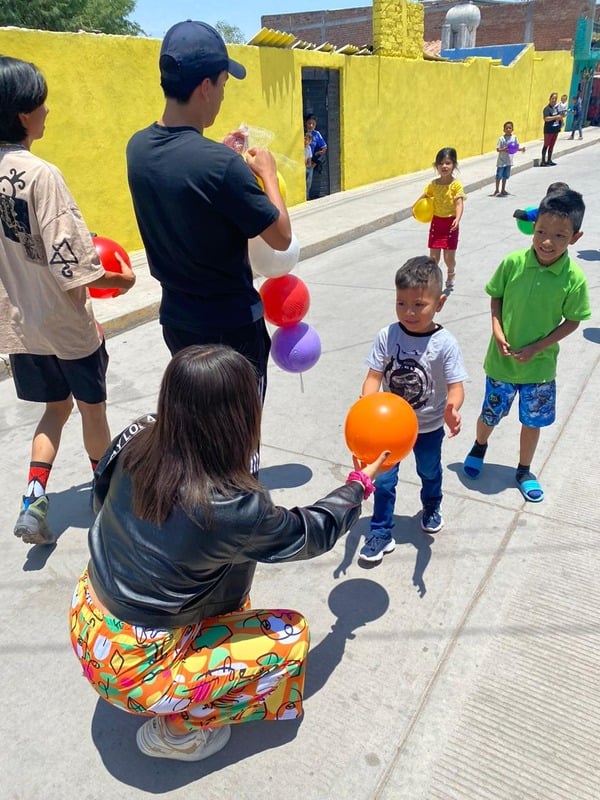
x=48 y=379
x=252 y=341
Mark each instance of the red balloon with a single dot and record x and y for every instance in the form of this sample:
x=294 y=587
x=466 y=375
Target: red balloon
x=286 y=300
x=106 y=249
x=378 y=422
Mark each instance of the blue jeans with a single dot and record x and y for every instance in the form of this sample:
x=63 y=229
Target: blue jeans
x=309 y=180
x=428 y=458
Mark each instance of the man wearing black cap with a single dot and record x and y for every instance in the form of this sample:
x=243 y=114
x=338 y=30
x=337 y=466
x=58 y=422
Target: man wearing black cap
x=197 y=202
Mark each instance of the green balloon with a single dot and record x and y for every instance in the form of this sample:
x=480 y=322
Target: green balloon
x=525 y=225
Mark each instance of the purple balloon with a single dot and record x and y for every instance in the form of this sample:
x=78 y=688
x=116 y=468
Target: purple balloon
x=512 y=148
x=296 y=348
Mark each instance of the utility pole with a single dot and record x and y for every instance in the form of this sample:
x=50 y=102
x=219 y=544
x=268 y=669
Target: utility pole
x=528 y=35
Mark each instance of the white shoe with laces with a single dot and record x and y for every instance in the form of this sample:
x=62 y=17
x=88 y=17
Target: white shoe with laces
x=154 y=740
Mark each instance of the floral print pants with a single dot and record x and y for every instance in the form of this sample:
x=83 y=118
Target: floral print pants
x=239 y=667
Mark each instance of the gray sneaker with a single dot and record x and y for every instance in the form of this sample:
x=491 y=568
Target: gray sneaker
x=154 y=740
x=31 y=526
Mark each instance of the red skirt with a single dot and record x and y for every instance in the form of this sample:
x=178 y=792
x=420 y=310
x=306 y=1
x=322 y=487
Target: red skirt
x=440 y=236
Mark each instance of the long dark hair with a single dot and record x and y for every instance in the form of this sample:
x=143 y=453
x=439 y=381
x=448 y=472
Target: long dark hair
x=22 y=89
x=206 y=432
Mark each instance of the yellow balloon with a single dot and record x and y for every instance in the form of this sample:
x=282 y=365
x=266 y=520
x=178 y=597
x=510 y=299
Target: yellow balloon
x=280 y=181
x=423 y=209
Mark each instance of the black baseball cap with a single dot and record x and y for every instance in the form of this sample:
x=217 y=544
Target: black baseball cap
x=192 y=51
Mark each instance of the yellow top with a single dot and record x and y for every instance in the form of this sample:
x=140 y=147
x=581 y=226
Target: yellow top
x=444 y=197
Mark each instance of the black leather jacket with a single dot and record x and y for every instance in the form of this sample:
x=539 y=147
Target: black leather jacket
x=181 y=572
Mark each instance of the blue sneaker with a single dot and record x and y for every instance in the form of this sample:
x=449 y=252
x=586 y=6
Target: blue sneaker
x=375 y=546
x=431 y=520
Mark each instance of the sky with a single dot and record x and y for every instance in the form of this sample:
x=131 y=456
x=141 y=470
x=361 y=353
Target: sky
x=155 y=17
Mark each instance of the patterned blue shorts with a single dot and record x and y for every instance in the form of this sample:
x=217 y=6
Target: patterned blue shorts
x=537 y=402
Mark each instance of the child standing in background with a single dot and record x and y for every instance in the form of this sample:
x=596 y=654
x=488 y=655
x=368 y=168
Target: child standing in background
x=577 y=111
x=448 y=197
x=308 y=162
x=507 y=146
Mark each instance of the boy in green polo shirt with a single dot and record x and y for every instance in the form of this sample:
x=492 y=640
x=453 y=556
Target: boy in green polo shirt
x=539 y=296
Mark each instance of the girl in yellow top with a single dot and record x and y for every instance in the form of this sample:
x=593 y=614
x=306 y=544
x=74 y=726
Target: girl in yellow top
x=448 y=197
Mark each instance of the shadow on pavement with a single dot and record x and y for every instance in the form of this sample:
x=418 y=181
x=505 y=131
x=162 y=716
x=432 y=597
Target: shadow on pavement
x=285 y=476
x=494 y=479
x=592 y=335
x=113 y=733
x=588 y=255
x=355 y=603
x=406 y=530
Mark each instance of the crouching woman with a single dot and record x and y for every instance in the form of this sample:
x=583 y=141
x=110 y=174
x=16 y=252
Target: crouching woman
x=161 y=619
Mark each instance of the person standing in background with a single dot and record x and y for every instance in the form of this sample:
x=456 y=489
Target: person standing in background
x=308 y=162
x=508 y=144
x=318 y=146
x=563 y=106
x=577 y=111
x=552 y=125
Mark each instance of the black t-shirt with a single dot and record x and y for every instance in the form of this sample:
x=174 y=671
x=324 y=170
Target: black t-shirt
x=555 y=125
x=197 y=203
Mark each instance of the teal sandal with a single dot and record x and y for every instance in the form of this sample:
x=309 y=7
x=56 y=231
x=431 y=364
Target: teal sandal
x=530 y=489
x=472 y=467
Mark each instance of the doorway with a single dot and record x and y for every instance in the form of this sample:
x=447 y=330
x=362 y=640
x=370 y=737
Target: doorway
x=321 y=97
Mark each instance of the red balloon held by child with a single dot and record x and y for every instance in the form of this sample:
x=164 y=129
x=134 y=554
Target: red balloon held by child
x=106 y=249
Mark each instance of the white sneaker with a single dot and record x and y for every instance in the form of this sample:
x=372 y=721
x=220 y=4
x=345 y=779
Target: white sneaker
x=154 y=740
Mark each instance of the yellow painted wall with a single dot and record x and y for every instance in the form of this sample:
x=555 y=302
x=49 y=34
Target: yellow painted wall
x=100 y=90
x=398 y=27
x=395 y=113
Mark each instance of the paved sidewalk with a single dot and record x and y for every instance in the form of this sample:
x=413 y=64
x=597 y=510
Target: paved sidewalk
x=465 y=666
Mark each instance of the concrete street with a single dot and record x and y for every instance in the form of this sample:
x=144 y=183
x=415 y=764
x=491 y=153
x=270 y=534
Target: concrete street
x=465 y=666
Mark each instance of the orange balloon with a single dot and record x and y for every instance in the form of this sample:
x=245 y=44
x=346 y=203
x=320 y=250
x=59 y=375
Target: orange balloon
x=378 y=422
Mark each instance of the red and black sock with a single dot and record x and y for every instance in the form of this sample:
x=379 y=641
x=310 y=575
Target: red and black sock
x=39 y=472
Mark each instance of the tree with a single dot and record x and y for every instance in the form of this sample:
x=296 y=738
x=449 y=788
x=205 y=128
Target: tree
x=106 y=16
x=230 y=33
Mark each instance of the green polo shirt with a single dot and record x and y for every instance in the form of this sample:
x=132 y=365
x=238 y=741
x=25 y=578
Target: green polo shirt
x=535 y=300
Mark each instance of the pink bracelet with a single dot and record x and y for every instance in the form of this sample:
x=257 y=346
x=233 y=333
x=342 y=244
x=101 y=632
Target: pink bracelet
x=360 y=477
